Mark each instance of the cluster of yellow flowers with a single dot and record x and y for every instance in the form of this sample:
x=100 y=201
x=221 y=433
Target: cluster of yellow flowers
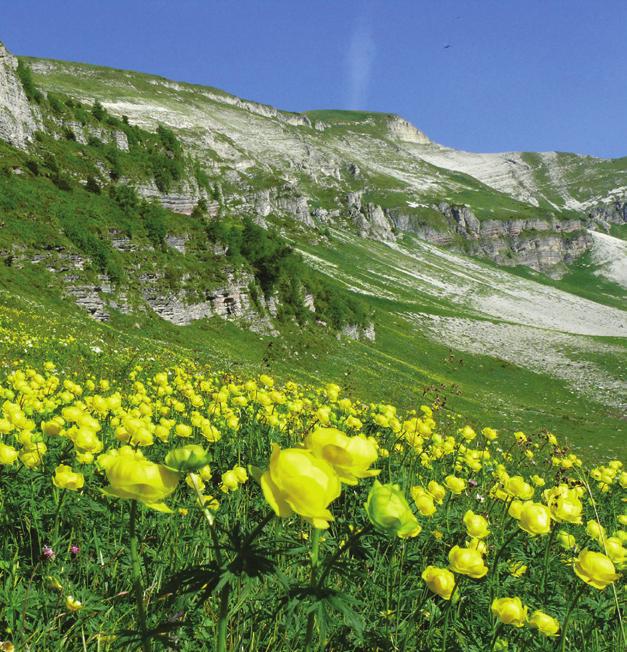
x=146 y=436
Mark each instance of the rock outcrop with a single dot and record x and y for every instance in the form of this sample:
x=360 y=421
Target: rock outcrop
x=231 y=301
x=17 y=120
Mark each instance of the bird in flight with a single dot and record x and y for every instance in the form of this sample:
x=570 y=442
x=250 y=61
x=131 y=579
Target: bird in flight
x=447 y=46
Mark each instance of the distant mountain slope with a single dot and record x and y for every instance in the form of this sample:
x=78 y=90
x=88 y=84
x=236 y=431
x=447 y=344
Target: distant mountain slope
x=376 y=170
x=329 y=245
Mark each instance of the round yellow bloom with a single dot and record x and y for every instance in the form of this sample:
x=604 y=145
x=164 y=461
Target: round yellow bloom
x=423 y=501
x=187 y=459
x=510 y=611
x=467 y=433
x=595 y=531
x=566 y=541
x=595 y=569
x=133 y=477
x=544 y=623
x=615 y=550
x=515 y=509
x=65 y=478
x=467 y=561
x=535 y=518
x=489 y=433
x=566 y=508
x=350 y=457
x=229 y=481
x=8 y=454
x=298 y=482
x=456 y=485
x=517 y=487
x=437 y=491
x=439 y=580
x=476 y=525
x=388 y=511
x=72 y=604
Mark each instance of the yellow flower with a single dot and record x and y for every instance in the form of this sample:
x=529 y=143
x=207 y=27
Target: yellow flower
x=73 y=604
x=510 y=611
x=467 y=561
x=489 y=433
x=538 y=480
x=595 y=569
x=8 y=454
x=187 y=459
x=477 y=544
x=535 y=518
x=517 y=568
x=439 y=580
x=467 y=433
x=515 y=509
x=298 y=482
x=476 y=525
x=349 y=456
x=566 y=541
x=566 y=508
x=437 y=491
x=423 y=501
x=389 y=511
x=615 y=551
x=595 y=531
x=518 y=488
x=456 y=485
x=544 y=623
x=132 y=476
x=65 y=478
x=229 y=481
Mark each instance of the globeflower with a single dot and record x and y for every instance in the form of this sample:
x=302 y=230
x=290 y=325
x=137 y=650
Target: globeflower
x=566 y=541
x=72 y=604
x=439 y=580
x=467 y=561
x=566 y=508
x=132 y=476
x=595 y=569
x=350 y=457
x=389 y=511
x=544 y=623
x=595 y=531
x=187 y=459
x=423 y=501
x=510 y=611
x=298 y=482
x=476 y=525
x=8 y=454
x=456 y=485
x=535 y=518
x=517 y=487
x=437 y=491
x=65 y=478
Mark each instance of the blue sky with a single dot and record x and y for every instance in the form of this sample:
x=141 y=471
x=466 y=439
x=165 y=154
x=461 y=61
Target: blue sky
x=518 y=75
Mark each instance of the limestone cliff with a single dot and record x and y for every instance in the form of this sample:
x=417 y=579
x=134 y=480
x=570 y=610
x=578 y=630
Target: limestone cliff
x=17 y=118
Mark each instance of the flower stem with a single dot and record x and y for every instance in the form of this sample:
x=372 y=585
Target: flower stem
x=311 y=621
x=138 y=588
x=546 y=559
x=568 y=614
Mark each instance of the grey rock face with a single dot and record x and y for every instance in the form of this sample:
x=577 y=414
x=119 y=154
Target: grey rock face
x=232 y=301
x=17 y=120
x=371 y=220
x=283 y=201
x=182 y=201
x=89 y=297
x=355 y=332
